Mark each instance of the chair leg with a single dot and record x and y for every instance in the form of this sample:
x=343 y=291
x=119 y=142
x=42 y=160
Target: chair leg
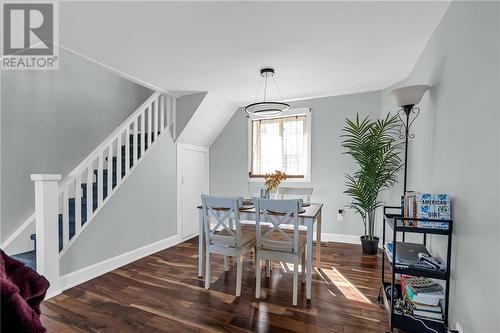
x=258 y=273
x=207 y=273
x=303 y=265
x=269 y=264
x=226 y=264
x=295 y=281
x=239 y=268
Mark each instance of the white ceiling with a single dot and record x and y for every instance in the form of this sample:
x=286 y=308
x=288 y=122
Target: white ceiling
x=317 y=48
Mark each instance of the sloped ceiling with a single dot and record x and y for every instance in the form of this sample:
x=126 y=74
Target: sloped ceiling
x=209 y=119
x=317 y=48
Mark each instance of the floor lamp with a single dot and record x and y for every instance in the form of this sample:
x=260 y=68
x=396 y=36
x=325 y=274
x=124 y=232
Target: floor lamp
x=406 y=98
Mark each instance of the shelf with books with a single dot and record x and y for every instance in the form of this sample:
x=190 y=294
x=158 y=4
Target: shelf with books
x=407 y=263
x=402 y=224
x=407 y=322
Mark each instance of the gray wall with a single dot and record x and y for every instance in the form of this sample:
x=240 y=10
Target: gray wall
x=186 y=106
x=456 y=151
x=229 y=156
x=51 y=120
x=142 y=212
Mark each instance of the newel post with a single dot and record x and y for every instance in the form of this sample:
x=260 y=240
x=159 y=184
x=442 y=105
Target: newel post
x=47 y=229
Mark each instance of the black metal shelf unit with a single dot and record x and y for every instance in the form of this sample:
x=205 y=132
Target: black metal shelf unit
x=399 y=319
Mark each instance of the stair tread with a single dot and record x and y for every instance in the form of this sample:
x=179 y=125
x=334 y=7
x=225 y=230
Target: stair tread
x=71 y=201
x=27 y=258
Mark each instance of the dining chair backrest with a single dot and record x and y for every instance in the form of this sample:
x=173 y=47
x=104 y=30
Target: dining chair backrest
x=294 y=192
x=256 y=191
x=224 y=210
x=276 y=213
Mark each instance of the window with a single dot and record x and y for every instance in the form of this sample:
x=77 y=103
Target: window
x=280 y=144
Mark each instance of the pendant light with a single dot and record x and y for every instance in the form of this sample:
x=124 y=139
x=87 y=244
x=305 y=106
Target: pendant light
x=267 y=108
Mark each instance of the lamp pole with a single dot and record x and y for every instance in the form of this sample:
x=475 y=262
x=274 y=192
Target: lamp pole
x=407 y=110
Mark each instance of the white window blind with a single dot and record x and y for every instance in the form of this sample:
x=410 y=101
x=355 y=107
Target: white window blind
x=279 y=144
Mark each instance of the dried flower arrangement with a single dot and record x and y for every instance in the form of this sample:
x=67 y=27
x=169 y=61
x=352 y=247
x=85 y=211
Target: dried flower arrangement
x=274 y=179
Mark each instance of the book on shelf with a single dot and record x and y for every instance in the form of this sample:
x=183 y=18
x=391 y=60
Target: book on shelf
x=436 y=206
x=425 y=307
x=420 y=301
x=428 y=315
x=433 y=225
x=420 y=285
x=429 y=298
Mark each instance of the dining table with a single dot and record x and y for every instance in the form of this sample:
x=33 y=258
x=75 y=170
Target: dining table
x=309 y=216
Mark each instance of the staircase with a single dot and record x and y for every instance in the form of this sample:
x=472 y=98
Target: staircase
x=92 y=183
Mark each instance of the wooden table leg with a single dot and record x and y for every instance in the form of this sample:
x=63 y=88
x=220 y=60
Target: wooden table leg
x=309 y=257
x=201 y=244
x=318 y=239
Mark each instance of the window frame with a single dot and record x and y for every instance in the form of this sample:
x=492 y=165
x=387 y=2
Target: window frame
x=304 y=111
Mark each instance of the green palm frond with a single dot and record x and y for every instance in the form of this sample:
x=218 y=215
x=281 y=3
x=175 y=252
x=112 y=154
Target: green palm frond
x=374 y=147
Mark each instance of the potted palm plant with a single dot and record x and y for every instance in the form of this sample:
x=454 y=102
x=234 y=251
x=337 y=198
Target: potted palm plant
x=373 y=144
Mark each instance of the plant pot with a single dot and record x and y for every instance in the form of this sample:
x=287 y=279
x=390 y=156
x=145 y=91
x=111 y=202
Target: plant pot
x=369 y=246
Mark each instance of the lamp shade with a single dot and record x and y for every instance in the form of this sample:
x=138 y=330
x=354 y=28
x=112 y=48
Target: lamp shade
x=410 y=95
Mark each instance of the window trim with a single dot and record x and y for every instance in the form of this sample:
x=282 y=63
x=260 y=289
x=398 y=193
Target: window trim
x=306 y=111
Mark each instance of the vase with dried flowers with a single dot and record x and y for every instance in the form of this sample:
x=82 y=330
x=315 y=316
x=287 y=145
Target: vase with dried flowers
x=273 y=180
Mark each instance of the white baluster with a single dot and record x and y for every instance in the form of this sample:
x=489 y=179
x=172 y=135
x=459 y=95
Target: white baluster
x=110 y=168
x=47 y=231
x=161 y=99
x=155 y=118
x=65 y=218
x=78 y=204
x=150 y=127
x=90 y=189
x=143 y=132
x=100 y=179
x=127 y=149
x=135 y=141
x=119 y=159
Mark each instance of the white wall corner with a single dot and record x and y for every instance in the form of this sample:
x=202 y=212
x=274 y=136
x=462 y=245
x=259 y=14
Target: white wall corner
x=208 y=121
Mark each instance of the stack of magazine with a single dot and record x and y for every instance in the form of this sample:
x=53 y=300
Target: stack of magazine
x=427 y=205
x=423 y=297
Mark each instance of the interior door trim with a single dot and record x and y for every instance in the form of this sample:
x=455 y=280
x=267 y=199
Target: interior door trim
x=180 y=147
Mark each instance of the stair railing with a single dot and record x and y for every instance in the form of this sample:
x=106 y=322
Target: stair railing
x=93 y=181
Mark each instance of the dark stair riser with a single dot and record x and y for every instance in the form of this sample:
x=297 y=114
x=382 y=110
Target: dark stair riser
x=71 y=201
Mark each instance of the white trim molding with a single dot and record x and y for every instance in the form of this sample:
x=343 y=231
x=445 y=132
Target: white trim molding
x=19 y=241
x=185 y=146
x=339 y=238
x=90 y=272
x=306 y=111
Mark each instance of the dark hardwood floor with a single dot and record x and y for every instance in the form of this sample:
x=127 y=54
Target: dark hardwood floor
x=162 y=293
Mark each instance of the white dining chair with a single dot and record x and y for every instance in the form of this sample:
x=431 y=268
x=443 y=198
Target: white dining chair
x=276 y=243
x=256 y=191
x=226 y=237
x=295 y=192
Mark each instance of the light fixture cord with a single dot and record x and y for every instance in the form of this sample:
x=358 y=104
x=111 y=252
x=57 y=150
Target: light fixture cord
x=278 y=88
x=265 y=89
x=258 y=91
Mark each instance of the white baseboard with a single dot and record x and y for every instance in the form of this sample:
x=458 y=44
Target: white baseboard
x=19 y=241
x=82 y=275
x=85 y=274
x=340 y=238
